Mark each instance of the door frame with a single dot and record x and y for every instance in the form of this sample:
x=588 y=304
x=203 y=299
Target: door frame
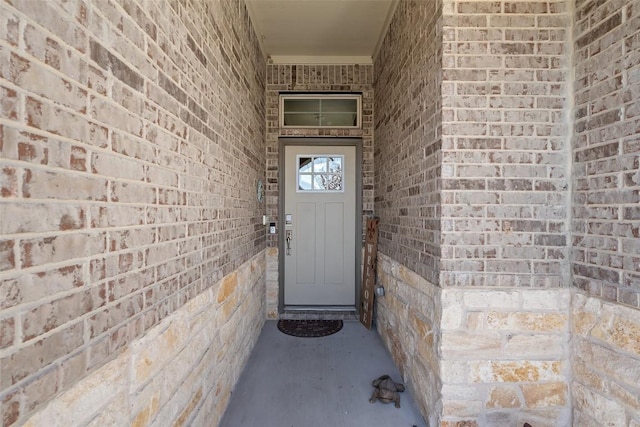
x=324 y=141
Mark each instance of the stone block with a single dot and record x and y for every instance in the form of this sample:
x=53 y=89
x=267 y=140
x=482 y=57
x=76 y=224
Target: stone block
x=86 y=399
x=464 y=423
x=158 y=348
x=603 y=410
x=461 y=392
x=544 y=395
x=452 y=309
x=546 y=299
x=470 y=346
x=516 y=371
x=227 y=287
x=527 y=321
x=492 y=299
x=116 y=412
x=619 y=332
x=503 y=397
x=539 y=346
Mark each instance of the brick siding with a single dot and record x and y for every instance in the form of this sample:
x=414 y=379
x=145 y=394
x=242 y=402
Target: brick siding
x=505 y=171
x=606 y=213
x=408 y=153
x=131 y=140
x=472 y=150
x=606 y=200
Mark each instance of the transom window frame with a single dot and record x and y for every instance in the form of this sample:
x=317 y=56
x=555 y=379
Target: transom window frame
x=320 y=97
x=313 y=173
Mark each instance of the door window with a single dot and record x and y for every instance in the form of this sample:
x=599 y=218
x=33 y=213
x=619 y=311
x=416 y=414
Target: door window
x=320 y=173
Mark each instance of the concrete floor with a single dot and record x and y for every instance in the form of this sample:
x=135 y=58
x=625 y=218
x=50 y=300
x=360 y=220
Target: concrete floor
x=317 y=382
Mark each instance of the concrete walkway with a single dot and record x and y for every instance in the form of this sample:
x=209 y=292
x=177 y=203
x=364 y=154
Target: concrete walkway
x=317 y=382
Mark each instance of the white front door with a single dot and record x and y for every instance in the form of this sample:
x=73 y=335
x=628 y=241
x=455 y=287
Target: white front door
x=320 y=225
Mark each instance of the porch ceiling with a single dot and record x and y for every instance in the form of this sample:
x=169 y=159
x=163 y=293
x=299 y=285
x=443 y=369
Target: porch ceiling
x=320 y=31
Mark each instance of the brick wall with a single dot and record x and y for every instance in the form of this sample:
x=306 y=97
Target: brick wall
x=131 y=139
x=408 y=138
x=485 y=162
x=505 y=183
x=606 y=212
x=606 y=157
x=345 y=78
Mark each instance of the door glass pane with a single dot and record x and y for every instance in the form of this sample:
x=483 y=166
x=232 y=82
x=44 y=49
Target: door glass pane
x=320 y=173
x=304 y=182
x=320 y=164
x=335 y=164
x=319 y=182
x=332 y=182
x=304 y=165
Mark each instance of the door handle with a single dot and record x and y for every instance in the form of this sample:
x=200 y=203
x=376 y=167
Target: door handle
x=289 y=237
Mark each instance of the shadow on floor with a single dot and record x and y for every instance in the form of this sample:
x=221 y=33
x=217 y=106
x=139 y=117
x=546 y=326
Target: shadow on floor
x=317 y=382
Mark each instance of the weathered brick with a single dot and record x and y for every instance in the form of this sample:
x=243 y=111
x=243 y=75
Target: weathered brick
x=29 y=360
x=41 y=81
x=38 y=251
x=103 y=133
x=49 y=316
x=7 y=332
x=109 y=62
x=9 y=182
x=23 y=218
x=33 y=286
x=8 y=103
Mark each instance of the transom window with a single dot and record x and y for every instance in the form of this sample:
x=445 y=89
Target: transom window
x=321 y=173
x=320 y=111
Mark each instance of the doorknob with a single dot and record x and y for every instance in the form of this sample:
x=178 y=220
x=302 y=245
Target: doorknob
x=289 y=237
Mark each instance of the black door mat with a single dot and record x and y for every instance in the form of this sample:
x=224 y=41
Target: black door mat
x=309 y=328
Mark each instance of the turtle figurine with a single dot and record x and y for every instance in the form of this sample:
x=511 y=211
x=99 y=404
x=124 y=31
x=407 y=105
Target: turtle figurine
x=386 y=390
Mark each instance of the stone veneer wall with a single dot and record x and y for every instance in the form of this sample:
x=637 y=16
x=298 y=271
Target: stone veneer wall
x=182 y=371
x=408 y=320
x=313 y=78
x=131 y=139
x=606 y=212
x=502 y=191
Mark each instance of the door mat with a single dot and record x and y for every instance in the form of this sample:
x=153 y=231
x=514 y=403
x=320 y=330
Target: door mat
x=309 y=328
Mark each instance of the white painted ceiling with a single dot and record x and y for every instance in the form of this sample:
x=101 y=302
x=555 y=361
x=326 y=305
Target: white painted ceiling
x=320 y=31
